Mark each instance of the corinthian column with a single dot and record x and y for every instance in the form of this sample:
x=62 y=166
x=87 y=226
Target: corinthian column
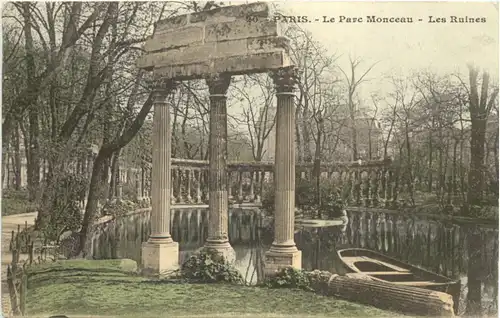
x=218 y=239
x=160 y=253
x=283 y=252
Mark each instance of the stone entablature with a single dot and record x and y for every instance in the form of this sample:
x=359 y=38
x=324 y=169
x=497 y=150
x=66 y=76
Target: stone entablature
x=222 y=40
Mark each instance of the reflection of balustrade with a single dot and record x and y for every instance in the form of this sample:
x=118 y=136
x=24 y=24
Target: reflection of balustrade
x=370 y=184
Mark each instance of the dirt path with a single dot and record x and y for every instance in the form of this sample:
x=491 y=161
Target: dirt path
x=9 y=224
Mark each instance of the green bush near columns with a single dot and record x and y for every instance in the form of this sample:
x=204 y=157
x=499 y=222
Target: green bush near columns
x=210 y=267
x=289 y=277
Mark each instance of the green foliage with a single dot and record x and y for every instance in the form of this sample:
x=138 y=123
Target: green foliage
x=16 y=202
x=480 y=212
x=306 y=199
x=289 y=277
x=118 y=207
x=61 y=211
x=210 y=267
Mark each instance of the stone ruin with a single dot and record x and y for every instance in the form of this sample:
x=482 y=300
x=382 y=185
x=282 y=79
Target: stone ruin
x=215 y=45
x=235 y=40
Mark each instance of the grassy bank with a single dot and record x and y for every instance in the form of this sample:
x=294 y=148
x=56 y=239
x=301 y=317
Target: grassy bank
x=102 y=288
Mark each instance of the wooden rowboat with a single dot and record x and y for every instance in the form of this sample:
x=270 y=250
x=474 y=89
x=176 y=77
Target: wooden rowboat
x=384 y=268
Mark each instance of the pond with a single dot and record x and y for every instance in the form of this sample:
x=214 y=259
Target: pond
x=440 y=246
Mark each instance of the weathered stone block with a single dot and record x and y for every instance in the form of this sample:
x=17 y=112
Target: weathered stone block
x=218 y=15
x=179 y=37
x=231 y=48
x=185 y=71
x=184 y=55
x=159 y=258
x=236 y=65
x=267 y=43
x=241 y=29
x=253 y=62
x=276 y=261
x=172 y=23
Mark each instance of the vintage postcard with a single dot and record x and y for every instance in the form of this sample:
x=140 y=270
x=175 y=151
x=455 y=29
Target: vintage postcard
x=250 y=158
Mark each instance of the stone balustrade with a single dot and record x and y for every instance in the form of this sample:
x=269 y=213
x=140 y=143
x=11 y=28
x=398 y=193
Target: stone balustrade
x=370 y=183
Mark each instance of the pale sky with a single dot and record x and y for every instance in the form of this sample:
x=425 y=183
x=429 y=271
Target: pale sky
x=403 y=48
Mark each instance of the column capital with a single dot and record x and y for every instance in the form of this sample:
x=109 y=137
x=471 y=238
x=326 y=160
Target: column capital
x=161 y=88
x=285 y=79
x=218 y=84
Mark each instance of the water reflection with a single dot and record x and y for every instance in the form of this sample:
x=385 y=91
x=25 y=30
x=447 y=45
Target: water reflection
x=437 y=246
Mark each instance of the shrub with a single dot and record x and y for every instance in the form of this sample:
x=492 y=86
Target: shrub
x=289 y=277
x=60 y=209
x=210 y=267
x=118 y=207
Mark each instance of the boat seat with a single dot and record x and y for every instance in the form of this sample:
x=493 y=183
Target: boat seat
x=389 y=273
x=353 y=259
x=417 y=283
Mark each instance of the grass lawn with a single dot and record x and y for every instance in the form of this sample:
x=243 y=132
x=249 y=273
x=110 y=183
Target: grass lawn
x=84 y=287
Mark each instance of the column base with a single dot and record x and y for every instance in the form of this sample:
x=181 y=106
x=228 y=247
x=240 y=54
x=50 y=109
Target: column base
x=222 y=248
x=159 y=257
x=277 y=260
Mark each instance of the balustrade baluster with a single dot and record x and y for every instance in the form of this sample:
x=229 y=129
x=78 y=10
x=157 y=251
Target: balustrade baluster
x=230 y=185
x=358 y=188
x=180 y=180
x=251 y=197
x=376 y=188
x=383 y=187
x=367 y=189
x=207 y=192
x=395 y=189
x=388 y=198
x=350 y=182
x=261 y=186
x=240 y=186
x=198 y=185
x=189 y=175
x=173 y=191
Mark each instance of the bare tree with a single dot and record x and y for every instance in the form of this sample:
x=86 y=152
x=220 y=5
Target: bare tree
x=353 y=82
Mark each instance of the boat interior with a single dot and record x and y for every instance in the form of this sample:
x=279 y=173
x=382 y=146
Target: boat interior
x=386 y=271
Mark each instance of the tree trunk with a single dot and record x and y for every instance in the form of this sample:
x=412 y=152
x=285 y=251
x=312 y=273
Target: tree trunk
x=34 y=128
x=409 y=164
x=431 y=149
x=113 y=184
x=454 y=173
x=476 y=171
x=95 y=189
x=17 y=164
x=354 y=137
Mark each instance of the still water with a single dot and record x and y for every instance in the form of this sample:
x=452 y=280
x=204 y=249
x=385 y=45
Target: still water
x=435 y=245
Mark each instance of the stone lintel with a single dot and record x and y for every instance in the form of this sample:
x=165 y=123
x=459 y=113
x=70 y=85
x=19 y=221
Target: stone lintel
x=237 y=65
x=275 y=261
x=217 y=15
x=214 y=50
x=159 y=258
